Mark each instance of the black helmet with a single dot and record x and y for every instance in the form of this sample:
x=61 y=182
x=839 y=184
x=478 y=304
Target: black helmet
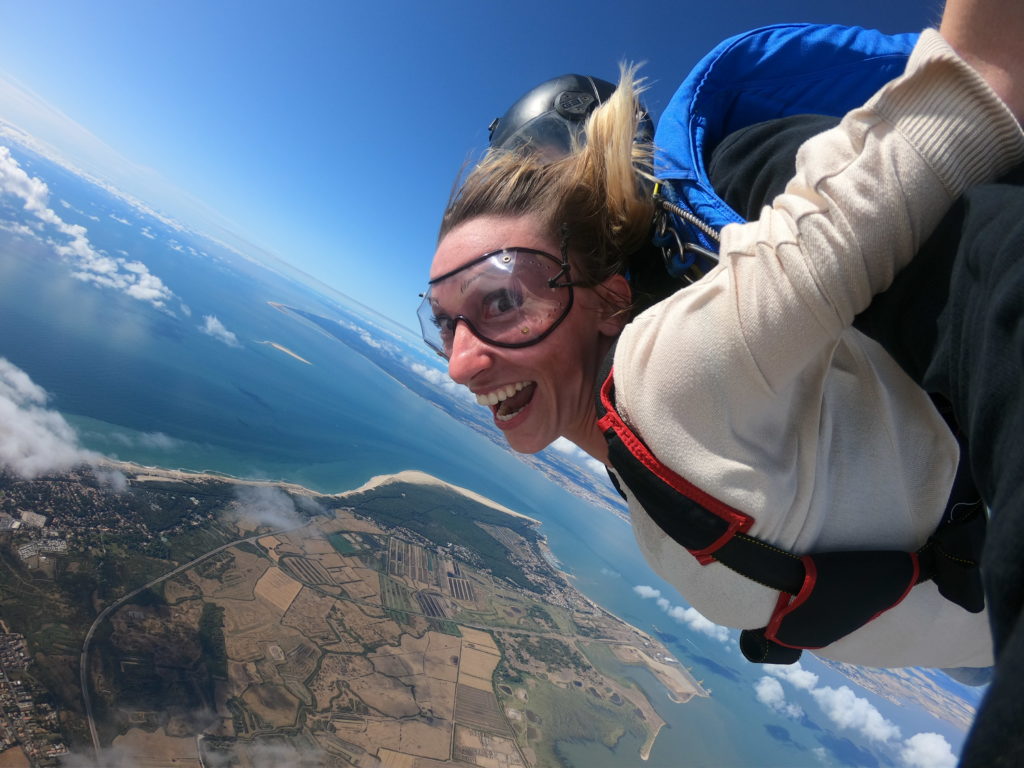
x=550 y=115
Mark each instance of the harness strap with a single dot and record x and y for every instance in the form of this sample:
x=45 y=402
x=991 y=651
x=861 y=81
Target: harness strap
x=823 y=596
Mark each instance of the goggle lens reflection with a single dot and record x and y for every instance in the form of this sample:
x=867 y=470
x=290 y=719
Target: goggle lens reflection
x=509 y=298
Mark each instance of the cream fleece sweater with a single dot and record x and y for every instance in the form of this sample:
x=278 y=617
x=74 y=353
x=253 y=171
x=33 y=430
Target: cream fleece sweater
x=752 y=385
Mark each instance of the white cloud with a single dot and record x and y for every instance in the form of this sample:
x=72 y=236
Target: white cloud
x=565 y=446
x=158 y=440
x=372 y=341
x=265 y=505
x=441 y=380
x=109 y=757
x=33 y=193
x=213 y=327
x=434 y=376
x=646 y=592
x=368 y=338
x=72 y=242
x=263 y=755
x=112 y=479
x=692 y=618
x=770 y=693
x=927 y=750
x=135 y=266
x=794 y=674
x=308 y=506
x=568 y=448
x=131 y=755
x=17 y=228
x=148 y=287
x=847 y=710
x=688 y=616
x=33 y=439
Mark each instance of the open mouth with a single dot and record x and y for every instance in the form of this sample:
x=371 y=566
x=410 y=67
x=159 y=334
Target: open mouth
x=507 y=402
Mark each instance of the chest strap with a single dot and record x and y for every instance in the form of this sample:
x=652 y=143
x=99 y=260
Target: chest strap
x=823 y=596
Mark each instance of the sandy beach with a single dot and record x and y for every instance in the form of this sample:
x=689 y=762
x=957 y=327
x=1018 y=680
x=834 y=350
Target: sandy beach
x=416 y=477
x=283 y=348
x=422 y=478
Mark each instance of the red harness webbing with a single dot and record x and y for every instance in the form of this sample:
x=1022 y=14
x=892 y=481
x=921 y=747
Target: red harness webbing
x=822 y=596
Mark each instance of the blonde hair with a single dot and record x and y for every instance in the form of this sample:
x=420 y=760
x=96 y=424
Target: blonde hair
x=599 y=193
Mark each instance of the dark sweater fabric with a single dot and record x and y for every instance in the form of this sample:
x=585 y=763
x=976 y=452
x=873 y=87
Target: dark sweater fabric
x=954 y=320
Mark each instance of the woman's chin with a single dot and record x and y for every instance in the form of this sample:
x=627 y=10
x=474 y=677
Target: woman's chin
x=523 y=430
x=524 y=441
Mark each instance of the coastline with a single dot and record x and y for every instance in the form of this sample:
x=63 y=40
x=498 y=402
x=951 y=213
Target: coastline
x=414 y=476
x=417 y=477
x=143 y=472
x=283 y=348
x=645 y=750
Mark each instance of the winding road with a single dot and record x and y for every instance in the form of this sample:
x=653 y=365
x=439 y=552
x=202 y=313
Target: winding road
x=84 y=659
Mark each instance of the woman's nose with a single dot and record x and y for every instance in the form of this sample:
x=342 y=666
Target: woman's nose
x=469 y=355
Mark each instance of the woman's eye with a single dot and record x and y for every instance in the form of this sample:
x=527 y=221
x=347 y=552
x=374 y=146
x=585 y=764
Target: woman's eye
x=443 y=323
x=500 y=302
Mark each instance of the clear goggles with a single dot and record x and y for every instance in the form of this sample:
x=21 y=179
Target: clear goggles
x=509 y=298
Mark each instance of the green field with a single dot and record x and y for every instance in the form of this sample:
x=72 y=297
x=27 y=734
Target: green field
x=395 y=596
x=198 y=541
x=571 y=714
x=342 y=545
x=444 y=626
x=444 y=516
x=58 y=639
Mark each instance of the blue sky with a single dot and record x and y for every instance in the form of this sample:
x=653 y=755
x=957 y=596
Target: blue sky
x=328 y=134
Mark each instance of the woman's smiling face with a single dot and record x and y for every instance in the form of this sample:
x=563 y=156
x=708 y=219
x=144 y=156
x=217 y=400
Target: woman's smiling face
x=541 y=392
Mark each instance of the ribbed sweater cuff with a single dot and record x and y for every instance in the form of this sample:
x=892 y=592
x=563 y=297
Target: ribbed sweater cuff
x=940 y=96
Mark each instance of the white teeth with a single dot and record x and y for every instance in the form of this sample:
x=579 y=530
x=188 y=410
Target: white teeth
x=501 y=393
x=508 y=416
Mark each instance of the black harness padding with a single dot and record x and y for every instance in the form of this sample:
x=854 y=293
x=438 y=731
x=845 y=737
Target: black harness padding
x=823 y=596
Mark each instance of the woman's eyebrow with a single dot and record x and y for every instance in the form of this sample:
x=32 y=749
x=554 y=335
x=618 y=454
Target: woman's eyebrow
x=465 y=284
x=472 y=278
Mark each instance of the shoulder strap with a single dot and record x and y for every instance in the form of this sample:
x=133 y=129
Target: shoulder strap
x=823 y=596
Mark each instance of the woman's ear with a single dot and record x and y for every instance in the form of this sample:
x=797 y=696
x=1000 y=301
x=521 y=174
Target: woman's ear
x=616 y=301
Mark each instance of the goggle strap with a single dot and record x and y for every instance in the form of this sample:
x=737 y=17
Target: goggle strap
x=564 y=248
x=553 y=281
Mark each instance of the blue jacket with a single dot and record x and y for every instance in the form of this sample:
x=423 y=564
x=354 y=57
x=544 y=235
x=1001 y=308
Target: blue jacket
x=766 y=73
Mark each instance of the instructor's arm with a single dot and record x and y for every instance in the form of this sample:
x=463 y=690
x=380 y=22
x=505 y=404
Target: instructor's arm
x=989 y=35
